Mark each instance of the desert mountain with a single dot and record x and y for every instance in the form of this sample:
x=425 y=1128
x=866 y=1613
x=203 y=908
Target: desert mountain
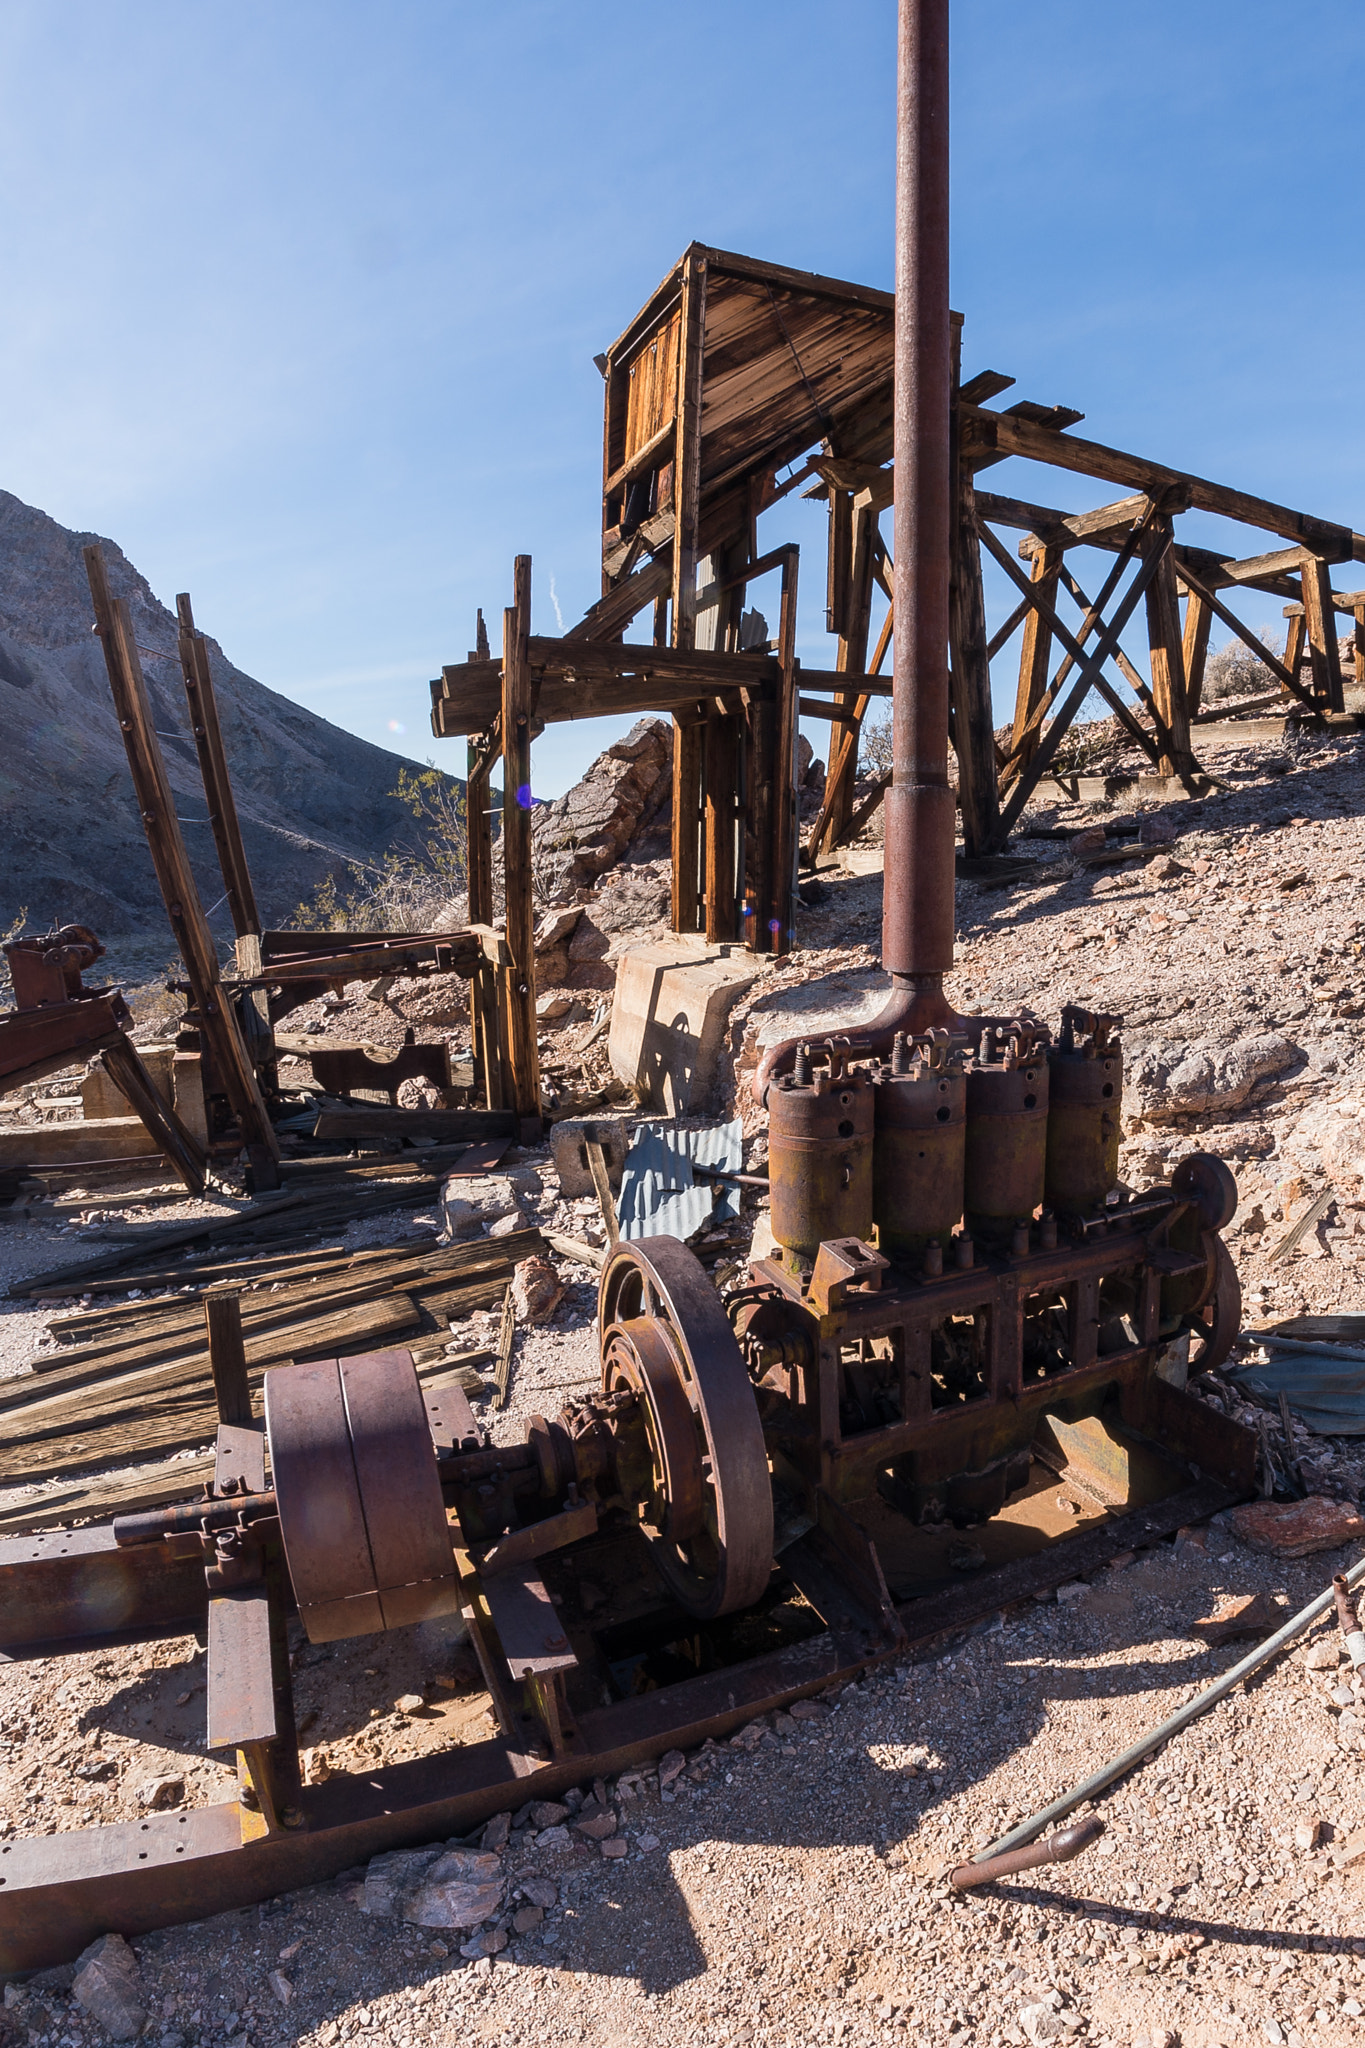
x=311 y=797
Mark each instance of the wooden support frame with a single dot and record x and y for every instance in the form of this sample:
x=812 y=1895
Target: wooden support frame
x=786 y=840
x=213 y=1011
x=208 y=745
x=1035 y=655
x=517 y=711
x=1089 y=677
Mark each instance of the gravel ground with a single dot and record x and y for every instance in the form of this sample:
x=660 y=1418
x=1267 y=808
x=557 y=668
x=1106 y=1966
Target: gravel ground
x=787 y=1886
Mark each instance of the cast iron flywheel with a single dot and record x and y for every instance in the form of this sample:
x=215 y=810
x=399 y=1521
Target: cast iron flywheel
x=667 y=1339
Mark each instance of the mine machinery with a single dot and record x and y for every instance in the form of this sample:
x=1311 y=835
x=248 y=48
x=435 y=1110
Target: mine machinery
x=858 y=1449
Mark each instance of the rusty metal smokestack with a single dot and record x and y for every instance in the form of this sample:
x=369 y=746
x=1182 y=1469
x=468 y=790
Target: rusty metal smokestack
x=917 y=893
x=917 y=901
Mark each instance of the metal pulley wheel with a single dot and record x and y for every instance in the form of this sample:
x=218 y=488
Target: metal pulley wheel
x=709 y=1512
x=1215 y=1324
x=361 y=1514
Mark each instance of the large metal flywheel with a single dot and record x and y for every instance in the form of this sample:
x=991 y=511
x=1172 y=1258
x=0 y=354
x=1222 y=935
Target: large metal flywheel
x=666 y=1339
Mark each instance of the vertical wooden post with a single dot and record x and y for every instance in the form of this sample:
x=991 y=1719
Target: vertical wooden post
x=1359 y=645
x=722 y=743
x=722 y=783
x=782 y=900
x=208 y=745
x=687 y=740
x=516 y=846
x=214 y=1017
x=1293 y=639
x=483 y=986
x=973 y=723
x=1195 y=648
x=227 y=1358
x=851 y=660
x=1165 y=641
x=1035 y=655
x=1320 y=622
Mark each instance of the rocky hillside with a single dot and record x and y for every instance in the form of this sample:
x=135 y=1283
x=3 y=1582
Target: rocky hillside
x=311 y=797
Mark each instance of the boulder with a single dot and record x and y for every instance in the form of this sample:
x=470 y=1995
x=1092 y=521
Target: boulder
x=577 y=836
x=1166 y=1081
x=468 y=1206
x=463 y=1888
x=108 y=1987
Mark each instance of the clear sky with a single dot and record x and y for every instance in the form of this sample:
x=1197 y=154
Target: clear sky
x=300 y=300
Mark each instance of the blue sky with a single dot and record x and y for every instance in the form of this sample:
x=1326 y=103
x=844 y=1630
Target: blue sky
x=300 y=300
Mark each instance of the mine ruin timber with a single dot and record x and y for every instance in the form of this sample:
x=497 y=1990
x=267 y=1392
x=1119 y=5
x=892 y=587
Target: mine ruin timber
x=215 y=1017
x=739 y=381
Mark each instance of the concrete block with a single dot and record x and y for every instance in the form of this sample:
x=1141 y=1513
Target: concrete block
x=569 y=1150
x=187 y=1094
x=673 y=1001
x=99 y=1095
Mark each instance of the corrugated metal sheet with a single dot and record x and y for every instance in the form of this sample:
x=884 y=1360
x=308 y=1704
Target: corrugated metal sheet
x=661 y=1195
x=1326 y=1391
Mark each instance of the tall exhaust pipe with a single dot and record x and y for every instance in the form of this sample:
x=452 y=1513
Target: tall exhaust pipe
x=917 y=889
x=917 y=898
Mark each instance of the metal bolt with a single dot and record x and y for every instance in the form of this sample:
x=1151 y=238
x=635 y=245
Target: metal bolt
x=556 y=1642
x=291 y=1816
x=249 y=1798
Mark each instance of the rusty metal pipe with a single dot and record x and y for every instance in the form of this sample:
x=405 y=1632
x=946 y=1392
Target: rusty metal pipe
x=1058 y=1848
x=917 y=889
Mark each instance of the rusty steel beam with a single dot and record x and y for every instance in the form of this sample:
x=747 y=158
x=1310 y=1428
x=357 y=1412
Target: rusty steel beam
x=62 y=1891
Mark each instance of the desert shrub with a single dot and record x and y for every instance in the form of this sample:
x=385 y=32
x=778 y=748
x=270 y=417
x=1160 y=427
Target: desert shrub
x=874 y=742
x=1232 y=670
x=412 y=888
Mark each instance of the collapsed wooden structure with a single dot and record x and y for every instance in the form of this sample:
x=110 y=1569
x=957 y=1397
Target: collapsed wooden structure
x=739 y=382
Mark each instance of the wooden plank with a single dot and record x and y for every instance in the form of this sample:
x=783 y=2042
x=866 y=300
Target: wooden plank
x=1008 y=435
x=519 y=986
x=1321 y=627
x=1164 y=640
x=197 y=675
x=213 y=1012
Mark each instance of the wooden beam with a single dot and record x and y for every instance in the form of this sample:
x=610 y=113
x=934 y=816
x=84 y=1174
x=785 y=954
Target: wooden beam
x=1035 y=656
x=970 y=679
x=213 y=1013
x=1089 y=677
x=1321 y=625
x=123 y=1064
x=208 y=745
x=1195 y=648
x=687 y=737
x=1285 y=671
x=1164 y=641
x=1006 y=434
x=520 y=983
x=786 y=839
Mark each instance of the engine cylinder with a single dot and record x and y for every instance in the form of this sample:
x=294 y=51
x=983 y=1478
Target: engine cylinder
x=1085 y=1090
x=1006 y=1150
x=819 y=1157
x=920 y=1149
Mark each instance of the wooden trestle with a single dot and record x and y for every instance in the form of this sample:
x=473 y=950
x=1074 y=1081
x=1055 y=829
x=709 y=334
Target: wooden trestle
x=737 y=383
